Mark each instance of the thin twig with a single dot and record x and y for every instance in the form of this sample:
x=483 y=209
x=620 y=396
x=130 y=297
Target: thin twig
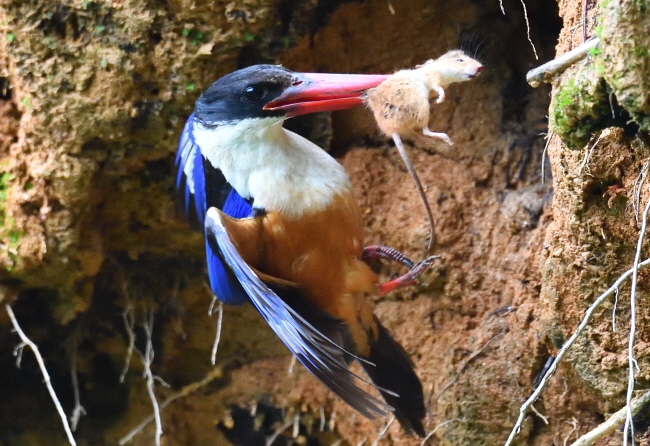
x=638 y=187
x=630 y=348
x=528 y=29
x=546 y=72
x=78 y=409
x=435 y=429
x=537 y=412
x=565 y=348
x=278 y=431
x=215 y=373
x=382 y=433
x=129 y=325
x=544 y=153
x=292 y=364
x=147 y=360
x=217 y=338
x=612 y=423
x=574 y=427
x=25 y=341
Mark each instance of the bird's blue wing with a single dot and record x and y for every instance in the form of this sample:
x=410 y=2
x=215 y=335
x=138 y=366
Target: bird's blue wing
x=200 y=186
x=190 y=179
x=321 y=355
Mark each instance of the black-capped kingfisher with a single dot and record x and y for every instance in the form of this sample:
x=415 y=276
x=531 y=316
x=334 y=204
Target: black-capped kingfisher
x=283 y=231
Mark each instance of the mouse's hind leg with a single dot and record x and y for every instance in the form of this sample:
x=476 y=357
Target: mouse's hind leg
x=436 y=135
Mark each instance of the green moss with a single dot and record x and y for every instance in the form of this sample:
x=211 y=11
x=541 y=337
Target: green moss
x=581 y=106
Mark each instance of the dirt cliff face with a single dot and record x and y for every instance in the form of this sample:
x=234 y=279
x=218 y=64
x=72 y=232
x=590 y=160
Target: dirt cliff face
x=93 y=96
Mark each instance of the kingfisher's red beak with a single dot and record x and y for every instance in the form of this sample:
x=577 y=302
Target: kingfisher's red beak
x=317 y=92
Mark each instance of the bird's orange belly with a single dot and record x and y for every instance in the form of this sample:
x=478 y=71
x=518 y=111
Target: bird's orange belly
x=320 y=252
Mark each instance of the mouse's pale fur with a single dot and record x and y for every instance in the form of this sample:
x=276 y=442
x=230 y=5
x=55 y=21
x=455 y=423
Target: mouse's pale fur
x=401 y=103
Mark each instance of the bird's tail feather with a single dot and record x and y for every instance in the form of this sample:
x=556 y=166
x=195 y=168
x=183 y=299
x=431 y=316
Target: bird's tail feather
x=393 y=370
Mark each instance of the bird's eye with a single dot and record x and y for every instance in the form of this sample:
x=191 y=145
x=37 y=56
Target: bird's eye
x=254 y=93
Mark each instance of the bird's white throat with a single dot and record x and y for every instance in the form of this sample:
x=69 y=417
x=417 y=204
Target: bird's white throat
x=279 y=170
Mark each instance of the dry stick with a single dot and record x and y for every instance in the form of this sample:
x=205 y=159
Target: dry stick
x=565 y=348
x=503 y=11
x=292 y=364
x=129 y=325
x=217 y=338
x=528 y=30
x=147 y=359
x=574 y=427
x=544 y=152
x=78 y=410
x=537 y=412
x=215 y=373
x=546 y=72
x=630 y=348
x=435 y=429
x=382 y=433
x=638 y=187
x=612 y=423
x=278 y=431
x=25 y=341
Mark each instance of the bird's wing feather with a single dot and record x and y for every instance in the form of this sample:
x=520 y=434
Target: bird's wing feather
x=201 y=186
x=322 y=355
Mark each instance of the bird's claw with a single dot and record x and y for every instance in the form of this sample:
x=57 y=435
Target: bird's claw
x=410 y=278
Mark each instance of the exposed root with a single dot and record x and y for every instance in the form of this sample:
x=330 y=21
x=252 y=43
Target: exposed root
x=78 y=409
x=435 y=429
x=292 y=364
x=632 y=365
x=18 y=351
x=129 y=325
x=503 y=11
x=585 y=161
x=567 y=345
x=215 y=373
x=278 y=431
x=147 y=360
x=382 y=432
x=549 y=137
x=537 y=412
x=574 y=427
x=637 y=188
x=217 y=338
x=612 y=423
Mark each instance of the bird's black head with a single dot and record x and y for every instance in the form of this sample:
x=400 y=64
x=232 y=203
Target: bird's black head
x=264 y=91
x=243 y=94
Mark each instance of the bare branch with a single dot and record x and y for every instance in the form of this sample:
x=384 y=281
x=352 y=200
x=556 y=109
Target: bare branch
x=567 y=345
x=129 y=325
x=26 y=342
x=147 y=360
x=217 y=337
x=612 y=423
x=215 y=373
x=629 y=425
x=546 y=72
x=382 y=432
